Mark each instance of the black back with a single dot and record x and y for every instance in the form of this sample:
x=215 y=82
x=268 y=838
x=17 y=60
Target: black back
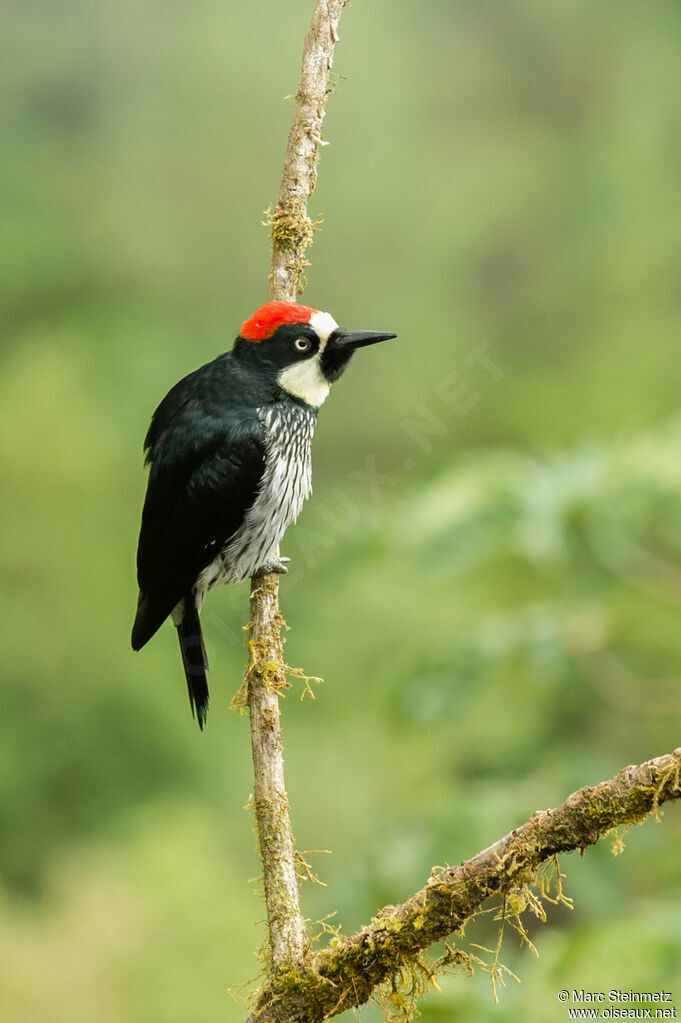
x=206 y=450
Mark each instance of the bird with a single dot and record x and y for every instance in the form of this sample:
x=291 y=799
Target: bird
x=228 y=451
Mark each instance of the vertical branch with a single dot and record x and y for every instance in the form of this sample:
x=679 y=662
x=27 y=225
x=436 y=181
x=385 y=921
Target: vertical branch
x=265 y=676
x=292 y=232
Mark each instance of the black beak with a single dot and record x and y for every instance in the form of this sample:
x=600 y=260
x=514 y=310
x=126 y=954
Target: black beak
x=351 y=339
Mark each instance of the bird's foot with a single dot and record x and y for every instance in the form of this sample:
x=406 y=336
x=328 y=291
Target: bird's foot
x=277 y=565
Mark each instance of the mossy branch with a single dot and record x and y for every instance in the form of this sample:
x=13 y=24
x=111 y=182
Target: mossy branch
x=348 y=972
x=292 y=232
x=292 y=228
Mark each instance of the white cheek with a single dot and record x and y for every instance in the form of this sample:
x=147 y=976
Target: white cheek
x=306 y=381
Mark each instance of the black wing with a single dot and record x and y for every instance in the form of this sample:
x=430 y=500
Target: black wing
x=206 y=466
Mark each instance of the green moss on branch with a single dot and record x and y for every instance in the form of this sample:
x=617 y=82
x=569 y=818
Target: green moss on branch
x=388 y=951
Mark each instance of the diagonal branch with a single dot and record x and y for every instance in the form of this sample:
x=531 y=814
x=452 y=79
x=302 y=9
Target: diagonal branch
x=345 y=976
x=292 y=233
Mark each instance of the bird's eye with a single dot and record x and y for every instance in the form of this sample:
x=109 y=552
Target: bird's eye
x=302 y=344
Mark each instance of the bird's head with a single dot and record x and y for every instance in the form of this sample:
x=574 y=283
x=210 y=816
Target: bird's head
x=304 y=349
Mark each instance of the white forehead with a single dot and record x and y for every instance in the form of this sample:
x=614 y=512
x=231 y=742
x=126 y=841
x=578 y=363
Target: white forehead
x=324 y=324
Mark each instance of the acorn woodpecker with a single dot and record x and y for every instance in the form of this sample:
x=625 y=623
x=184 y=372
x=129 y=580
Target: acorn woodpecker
x=229 y=456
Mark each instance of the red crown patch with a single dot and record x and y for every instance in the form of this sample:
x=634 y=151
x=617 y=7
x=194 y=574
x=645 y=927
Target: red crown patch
x=268 y=317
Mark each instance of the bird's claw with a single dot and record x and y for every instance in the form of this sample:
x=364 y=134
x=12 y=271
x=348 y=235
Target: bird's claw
x=277 y=565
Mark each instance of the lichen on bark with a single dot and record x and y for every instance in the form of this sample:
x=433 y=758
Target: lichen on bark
x=292 y=232
x=387 y=954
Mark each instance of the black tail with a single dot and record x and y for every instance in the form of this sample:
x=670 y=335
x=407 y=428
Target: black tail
x=194 y=659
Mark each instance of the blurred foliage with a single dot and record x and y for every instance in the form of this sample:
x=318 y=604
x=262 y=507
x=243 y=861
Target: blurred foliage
x=489 y=574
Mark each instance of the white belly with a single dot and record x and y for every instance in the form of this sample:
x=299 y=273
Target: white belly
x=286 y=483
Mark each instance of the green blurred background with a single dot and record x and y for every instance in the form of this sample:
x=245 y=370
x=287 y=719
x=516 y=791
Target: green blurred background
x=489 y=574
